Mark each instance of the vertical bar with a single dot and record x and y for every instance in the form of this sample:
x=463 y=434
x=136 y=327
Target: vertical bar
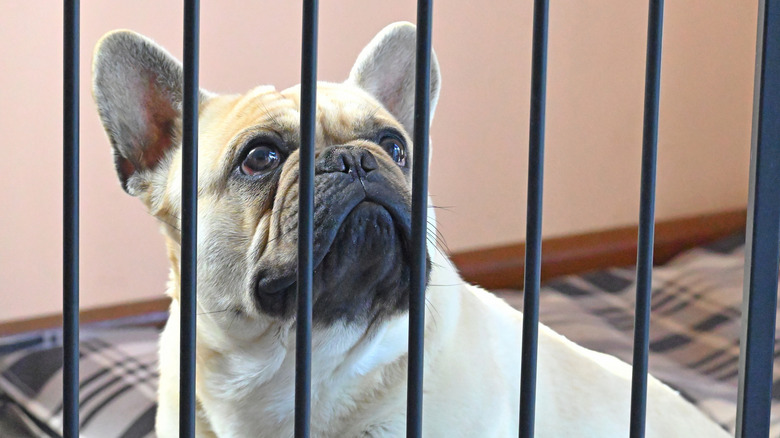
x=533 y=231
x=189 y=220
x=422 y=93
x=306 y=219
x=763 y=229
x=644 y=268
x=70 y=221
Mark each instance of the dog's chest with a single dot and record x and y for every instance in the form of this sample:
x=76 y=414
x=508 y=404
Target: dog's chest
x=246 y=393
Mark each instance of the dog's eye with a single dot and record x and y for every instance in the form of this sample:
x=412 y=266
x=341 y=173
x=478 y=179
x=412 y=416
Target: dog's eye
x=260 y=159
x=395 y=147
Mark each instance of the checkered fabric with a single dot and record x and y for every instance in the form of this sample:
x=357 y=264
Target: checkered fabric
x=694 y=343
x=694 y=323
x=117 y=388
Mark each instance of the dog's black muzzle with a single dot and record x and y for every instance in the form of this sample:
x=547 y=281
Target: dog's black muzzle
x=362 y=237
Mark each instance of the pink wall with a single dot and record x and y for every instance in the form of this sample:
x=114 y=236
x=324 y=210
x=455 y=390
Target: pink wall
x=596 y=70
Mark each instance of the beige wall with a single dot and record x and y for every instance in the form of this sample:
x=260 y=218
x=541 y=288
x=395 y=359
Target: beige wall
x=596 y=71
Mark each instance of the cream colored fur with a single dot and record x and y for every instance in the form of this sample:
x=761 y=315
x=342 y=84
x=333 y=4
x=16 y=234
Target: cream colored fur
x=245 y=360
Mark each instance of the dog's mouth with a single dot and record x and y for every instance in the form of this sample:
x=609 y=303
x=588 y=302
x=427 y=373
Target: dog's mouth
x=361 y=260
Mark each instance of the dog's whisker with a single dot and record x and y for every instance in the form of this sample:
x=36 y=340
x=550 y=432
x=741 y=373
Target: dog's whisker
x=441 y=242
x=273 y=116
x=232 y=320
x=447 y=285
x=214 y=311
x=165 y=221
x=433 y=311
x=440 y=245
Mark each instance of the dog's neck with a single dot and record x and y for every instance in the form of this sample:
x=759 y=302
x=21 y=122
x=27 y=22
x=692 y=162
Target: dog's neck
x=260 y=370
x=253 y=360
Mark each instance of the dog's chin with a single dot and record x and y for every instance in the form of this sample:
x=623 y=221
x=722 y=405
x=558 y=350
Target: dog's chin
x=363 y=276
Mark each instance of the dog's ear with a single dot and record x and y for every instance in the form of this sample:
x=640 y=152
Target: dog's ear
x=138 y=88
x=386 y=69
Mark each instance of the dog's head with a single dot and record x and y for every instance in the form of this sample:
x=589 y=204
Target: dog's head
x=248 y=179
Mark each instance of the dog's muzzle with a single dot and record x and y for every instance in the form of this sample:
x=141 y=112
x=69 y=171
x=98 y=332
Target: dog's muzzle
x=362 y=236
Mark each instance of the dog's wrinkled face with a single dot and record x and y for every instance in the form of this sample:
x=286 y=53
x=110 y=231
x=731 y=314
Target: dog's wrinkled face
x=248 y=179
x=362 y=203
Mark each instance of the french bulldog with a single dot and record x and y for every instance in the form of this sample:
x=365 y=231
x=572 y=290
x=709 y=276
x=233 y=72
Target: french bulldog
x=247 y=240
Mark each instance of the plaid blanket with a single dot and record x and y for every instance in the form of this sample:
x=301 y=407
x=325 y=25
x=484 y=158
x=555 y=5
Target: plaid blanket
x=694 y=324
x=694 y=343
x=117 y=388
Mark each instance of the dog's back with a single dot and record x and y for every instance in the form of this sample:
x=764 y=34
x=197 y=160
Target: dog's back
x=580 y=393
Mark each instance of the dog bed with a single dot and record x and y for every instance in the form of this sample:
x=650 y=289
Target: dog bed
x=694 y=324
x=694 y=343
x=118 y=383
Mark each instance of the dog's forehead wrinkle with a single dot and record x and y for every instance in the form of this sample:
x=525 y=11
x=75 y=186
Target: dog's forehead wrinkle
x=263 y=107
x=344 y=113
x=344 y=120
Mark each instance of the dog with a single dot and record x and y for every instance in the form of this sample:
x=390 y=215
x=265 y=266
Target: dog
x=247 y=261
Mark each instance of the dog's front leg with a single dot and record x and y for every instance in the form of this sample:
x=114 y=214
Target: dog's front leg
x=167 y=421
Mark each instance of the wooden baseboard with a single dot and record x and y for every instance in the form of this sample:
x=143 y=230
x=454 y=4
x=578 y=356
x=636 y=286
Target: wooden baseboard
x=500 y=267
x=87 y=316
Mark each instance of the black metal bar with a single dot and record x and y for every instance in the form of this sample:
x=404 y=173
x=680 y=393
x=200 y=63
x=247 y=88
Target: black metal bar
x=306 y=219
x=189 y=220
x=763 y=230
x=422 y=109
x=644 y=268
x=533 y=230
x=70 y=221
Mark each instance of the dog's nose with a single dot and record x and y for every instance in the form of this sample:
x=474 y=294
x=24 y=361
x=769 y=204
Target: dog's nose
x=347 y=159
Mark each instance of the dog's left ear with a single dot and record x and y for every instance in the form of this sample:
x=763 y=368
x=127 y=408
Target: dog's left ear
x=386 y=70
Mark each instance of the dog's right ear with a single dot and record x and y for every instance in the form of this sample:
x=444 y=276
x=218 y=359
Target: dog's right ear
x=138 y=88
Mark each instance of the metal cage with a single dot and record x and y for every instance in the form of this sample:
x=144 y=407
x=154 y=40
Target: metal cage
x=761 y=265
